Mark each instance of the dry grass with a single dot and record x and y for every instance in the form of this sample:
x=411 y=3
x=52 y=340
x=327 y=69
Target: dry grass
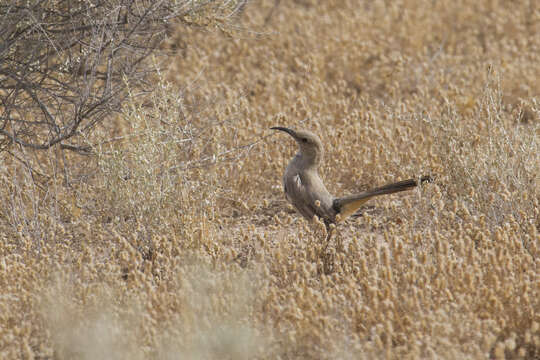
x=176 y=240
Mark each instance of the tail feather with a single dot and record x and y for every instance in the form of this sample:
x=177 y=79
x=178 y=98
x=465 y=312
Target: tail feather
x=348 y=205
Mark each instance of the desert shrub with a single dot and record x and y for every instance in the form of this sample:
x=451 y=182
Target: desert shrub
x=490 y=157
x=65 y=65
x=66 y=70
x=163 y=165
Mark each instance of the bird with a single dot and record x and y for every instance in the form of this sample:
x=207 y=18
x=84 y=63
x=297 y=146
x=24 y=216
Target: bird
x=306 y=191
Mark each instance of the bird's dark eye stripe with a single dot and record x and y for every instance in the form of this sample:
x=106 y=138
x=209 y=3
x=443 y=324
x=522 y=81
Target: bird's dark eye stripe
x=304 y=139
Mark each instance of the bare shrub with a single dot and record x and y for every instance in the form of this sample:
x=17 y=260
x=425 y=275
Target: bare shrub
x=64 y=65
x=66 y=69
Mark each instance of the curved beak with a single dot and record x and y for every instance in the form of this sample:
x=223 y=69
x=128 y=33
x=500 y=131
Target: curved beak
x=287 y=130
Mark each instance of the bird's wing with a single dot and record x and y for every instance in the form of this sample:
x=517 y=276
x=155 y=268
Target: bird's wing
x=298 y=195
x=310 y=197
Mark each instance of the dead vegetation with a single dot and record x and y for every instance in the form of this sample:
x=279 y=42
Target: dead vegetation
x=175 y=240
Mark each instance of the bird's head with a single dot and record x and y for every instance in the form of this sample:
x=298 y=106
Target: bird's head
x=310 y=146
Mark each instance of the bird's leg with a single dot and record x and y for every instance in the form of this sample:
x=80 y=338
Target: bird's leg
x=329 y=233
x=327 y=259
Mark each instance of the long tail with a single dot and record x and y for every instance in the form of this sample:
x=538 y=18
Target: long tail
x=348 y=205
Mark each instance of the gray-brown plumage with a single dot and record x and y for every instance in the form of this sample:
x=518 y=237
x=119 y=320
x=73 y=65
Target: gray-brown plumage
x=305 y=189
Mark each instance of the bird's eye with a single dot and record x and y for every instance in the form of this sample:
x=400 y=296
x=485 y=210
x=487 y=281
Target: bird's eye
x=304 y=140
